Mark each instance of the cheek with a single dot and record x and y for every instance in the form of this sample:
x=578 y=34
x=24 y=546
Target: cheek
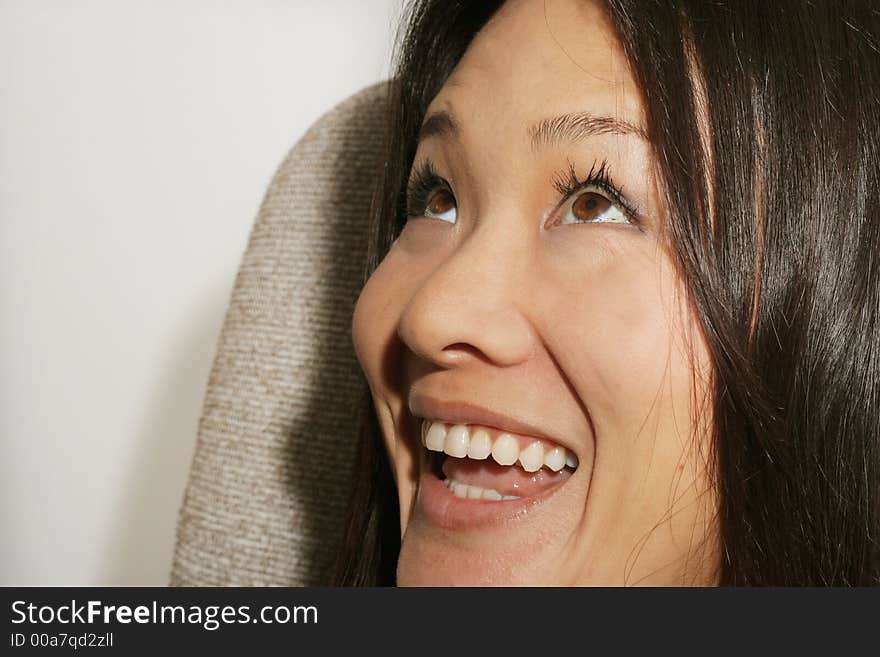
x=374 y=325
x=380 y=306
x=625 y=340
x=377 y=315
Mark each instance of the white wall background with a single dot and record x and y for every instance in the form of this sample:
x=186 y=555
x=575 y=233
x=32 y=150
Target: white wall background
x=136 y=141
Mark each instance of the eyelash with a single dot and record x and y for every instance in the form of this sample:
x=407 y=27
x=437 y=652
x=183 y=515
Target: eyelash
x=568 y=184
x=423 y=182
x=426 y=180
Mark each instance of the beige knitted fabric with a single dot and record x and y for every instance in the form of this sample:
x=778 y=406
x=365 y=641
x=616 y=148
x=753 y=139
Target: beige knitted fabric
x=269 y=480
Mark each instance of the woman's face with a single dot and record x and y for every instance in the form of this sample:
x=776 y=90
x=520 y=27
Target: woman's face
x=532 y=358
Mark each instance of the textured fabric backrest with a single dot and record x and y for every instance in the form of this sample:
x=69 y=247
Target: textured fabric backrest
x=269 y=480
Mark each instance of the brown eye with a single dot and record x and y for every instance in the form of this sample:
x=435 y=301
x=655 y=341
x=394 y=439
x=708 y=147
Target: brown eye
x=589 y=205
x=593 y=207
x=441 y=206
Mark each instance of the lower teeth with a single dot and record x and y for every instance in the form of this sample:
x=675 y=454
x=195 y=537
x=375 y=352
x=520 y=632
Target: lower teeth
x=475 y=492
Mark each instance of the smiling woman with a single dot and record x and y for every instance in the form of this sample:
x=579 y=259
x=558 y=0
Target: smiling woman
x=621 y=325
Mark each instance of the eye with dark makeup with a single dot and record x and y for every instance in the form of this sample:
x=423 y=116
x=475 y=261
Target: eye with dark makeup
x=594 y=198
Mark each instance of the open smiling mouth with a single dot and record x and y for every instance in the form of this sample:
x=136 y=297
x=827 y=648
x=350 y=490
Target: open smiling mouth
x=475 y=474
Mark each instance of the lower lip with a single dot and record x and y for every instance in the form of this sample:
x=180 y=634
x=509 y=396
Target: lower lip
x=445 y=509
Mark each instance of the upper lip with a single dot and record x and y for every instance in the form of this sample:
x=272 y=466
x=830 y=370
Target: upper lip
x=465 y=412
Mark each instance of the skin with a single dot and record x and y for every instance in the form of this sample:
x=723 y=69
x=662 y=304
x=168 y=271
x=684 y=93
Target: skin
x=582 y=329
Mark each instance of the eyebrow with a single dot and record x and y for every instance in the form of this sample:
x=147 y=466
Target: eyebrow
x=571 y=127
x=439 y=124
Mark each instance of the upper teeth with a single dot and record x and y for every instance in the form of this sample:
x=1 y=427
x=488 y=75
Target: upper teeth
x=505 y=449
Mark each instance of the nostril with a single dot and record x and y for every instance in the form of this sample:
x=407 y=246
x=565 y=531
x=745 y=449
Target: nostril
x=458 y=350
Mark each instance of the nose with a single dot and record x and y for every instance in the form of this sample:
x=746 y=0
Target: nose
x=467 y=308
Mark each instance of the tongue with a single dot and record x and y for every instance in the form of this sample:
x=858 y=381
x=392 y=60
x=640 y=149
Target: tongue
x=506 y=479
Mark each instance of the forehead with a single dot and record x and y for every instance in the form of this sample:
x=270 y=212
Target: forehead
x=537 y=58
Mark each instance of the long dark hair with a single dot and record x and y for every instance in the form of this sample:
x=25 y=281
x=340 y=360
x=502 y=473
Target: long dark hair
x=765 y=122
